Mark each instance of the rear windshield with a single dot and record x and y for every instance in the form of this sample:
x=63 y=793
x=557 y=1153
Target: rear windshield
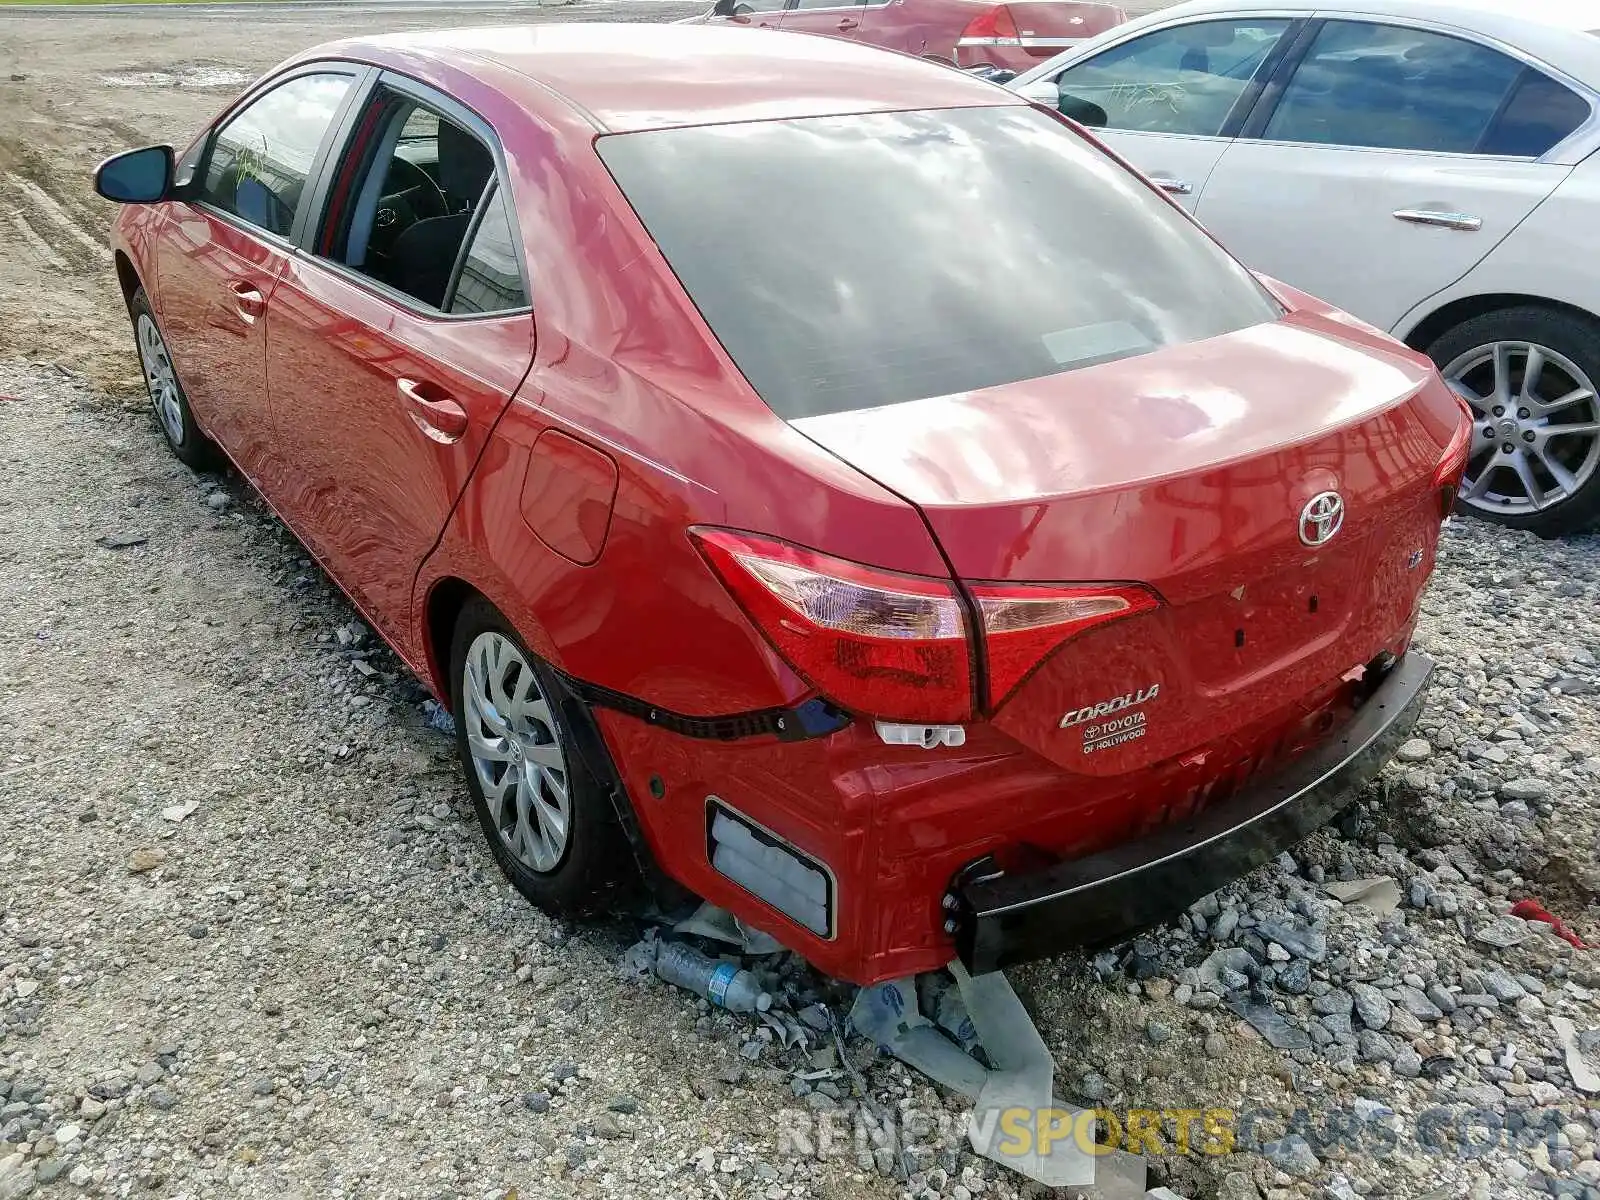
x=852 y=262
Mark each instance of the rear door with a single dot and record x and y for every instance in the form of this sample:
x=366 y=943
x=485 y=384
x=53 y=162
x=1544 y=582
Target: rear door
x=752 y=14
x=831 y=18
x=397 y=340
x=1171 y=99
x=220 y=256
x=1388 y=163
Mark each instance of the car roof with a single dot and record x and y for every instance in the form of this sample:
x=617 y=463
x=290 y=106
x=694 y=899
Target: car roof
x=635 y=76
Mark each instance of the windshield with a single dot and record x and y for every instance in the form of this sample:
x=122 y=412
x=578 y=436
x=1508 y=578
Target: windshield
x=853 y=262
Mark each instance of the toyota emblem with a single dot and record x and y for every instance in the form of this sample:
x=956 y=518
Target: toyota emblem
x=1321 y=518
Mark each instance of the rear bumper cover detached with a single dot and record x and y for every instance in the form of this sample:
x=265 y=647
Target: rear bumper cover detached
x=1105 y=898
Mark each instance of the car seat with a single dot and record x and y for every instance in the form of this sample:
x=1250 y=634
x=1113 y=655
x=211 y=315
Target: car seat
x=423 y=256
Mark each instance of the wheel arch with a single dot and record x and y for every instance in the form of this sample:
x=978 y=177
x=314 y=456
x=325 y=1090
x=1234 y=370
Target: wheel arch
x=446 y=597
x=127 y=276
x=1446 y=317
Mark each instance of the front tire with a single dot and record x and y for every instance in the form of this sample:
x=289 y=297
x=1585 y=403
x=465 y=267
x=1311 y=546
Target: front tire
x=173 y=414
x=550 y=824
x=1530 y=375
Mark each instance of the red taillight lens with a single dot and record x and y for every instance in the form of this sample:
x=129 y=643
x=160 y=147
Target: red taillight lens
x=1022 y=624
x=1453 y=464
x=996 y=25
x=879 y=643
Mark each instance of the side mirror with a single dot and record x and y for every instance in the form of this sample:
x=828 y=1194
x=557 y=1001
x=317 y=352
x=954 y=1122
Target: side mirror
x=136 y=176
x=725 y=8
x=1084 y=112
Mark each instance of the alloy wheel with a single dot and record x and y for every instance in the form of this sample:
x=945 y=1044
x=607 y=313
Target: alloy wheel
x=1536 y=426
x=516 y=751
x=161 y=379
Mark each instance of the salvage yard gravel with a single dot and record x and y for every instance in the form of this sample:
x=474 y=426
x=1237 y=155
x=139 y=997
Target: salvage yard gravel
x=252 y=944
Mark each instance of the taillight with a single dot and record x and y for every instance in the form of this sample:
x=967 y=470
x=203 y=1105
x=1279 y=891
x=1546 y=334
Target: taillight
x=1022 y=624
x=996 y=27
x=877 y=642
x=1453 y=464
x=898 y=647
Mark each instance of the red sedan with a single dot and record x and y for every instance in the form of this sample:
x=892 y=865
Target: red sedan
x=967 y=33
x=815 y=479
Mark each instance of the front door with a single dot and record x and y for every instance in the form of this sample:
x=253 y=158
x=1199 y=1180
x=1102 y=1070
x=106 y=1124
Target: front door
x=1170 y=100
x=394 y=347
x=1393 y=161
x=828 y=17
x=220 y=257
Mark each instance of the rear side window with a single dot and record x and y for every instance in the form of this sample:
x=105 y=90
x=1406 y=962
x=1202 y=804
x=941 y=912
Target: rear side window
x=851 y=262
x=1540 y=114
x=1394 y=87
x=260 y=159
x=490 y=280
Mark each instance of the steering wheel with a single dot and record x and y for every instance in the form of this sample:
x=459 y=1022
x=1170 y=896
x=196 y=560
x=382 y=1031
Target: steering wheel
x=417 y=198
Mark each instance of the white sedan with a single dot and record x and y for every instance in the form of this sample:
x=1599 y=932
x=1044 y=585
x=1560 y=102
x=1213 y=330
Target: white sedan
x=1427 y=165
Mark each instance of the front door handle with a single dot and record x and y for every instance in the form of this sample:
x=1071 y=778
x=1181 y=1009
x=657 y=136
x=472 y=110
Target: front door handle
x=1178 y=187
x=847 y=24
x=439 y=417
x=1443 y=220
x=248 y=300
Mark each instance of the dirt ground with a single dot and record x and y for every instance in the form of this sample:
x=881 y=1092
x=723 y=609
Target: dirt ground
x=76 y=89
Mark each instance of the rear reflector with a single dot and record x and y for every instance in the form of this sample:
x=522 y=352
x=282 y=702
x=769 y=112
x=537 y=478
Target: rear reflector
x=1023 y=624
x=769 y=868
x=875 y=642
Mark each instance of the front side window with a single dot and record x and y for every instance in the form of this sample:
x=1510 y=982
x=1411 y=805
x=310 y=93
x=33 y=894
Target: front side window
x=922 y=253
x=1185 y=79
x=260 y=160
x=1394 y=87
x=406 y=196
x=490 y=280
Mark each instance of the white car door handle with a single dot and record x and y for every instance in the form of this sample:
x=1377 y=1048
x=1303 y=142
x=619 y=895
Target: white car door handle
x=1178 y=187
x=1444 y=220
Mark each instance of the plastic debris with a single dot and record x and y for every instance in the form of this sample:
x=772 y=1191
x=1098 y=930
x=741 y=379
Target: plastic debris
x=178 y=812
x=436 y=716
x=718 y=924
x=1584 y=1077
x=940 y=996
x=724 y=984
x=1379 y=893
x=1533 y=910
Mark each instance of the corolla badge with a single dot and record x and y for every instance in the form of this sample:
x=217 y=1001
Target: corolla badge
x=1321 y=518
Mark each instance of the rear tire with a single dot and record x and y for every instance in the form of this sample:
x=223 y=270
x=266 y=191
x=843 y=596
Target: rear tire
x=173 y=414
x=550 y=824
x=1530 y=375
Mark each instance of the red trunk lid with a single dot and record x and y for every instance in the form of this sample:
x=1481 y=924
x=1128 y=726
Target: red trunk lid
x=1187 y=470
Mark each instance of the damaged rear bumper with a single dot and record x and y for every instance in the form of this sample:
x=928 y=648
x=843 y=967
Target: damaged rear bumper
x=1105 y=898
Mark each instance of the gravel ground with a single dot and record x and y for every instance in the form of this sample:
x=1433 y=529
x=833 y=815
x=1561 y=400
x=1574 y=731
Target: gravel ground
x=251 y=942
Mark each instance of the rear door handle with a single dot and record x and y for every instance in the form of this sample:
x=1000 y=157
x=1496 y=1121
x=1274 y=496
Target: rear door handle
x=440 y=418
x=248 y=300
x=1178 y=187
x=847 y=24
x=1443 y=220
